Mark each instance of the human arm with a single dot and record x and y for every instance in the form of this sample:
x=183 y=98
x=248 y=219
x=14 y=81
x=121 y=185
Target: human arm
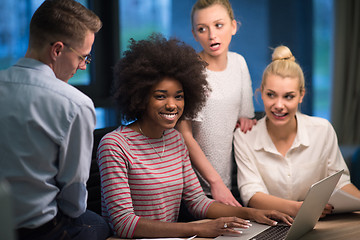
x=351 y=189
x=74 y=161
x=290 y=207
x=261 y=216
x=234 y=217
x=193 y=196
x=131 y=199
x=246 y=118
x=218 y=189
x=265 y=201
x=257 y=172
x=252 y=187
x=209 y=229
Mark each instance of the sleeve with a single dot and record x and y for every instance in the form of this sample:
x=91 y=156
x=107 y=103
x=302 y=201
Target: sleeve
x=248 y=176
x=114 y=160
x=193 y=194
x=247 y=105
x=336 y=161
x=74 y=161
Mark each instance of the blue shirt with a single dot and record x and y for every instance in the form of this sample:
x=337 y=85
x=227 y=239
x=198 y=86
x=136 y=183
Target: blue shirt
x=46 y=139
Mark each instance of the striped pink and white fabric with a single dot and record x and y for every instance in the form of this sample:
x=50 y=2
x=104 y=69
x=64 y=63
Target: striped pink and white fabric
x=137 y=183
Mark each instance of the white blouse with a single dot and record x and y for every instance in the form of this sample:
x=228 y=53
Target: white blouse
x=313 y=155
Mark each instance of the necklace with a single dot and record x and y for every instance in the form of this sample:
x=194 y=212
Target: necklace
x=147 y=139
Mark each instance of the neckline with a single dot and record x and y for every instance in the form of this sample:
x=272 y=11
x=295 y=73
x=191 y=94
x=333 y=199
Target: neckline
x=147 y=139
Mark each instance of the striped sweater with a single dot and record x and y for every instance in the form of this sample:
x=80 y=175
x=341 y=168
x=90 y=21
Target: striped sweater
x=136 y=182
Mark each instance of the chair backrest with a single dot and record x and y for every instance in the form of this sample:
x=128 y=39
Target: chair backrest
x=93 y=184
x=6 y=212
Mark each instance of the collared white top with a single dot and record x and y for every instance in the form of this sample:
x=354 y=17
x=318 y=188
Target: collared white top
x=313 y=155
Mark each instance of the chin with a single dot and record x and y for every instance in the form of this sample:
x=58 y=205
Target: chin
x=170 y=125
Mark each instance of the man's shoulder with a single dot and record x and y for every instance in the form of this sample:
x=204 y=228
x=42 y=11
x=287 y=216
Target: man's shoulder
x=74 y=95
x=38 y=80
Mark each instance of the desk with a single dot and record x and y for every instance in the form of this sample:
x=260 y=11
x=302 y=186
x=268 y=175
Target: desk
x=337 y=226
x=333 y=227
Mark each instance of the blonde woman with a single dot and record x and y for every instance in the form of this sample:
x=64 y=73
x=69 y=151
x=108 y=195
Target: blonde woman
x=287 y=151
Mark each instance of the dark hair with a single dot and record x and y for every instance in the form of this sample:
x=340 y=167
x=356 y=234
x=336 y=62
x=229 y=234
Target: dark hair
x=62 y=20
x=149 y=61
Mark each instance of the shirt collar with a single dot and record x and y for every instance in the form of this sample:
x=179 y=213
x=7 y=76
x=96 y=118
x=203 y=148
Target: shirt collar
x=263 y=139
x=302 y=136
x=35 y=64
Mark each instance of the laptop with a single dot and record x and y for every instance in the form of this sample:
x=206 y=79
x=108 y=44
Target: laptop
x=305 y=220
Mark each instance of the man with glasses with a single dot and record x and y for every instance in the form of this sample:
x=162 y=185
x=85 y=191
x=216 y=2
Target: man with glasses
x=46 y=133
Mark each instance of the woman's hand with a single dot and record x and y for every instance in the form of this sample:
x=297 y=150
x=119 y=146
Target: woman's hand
x=221 y=226
x=222 y=194
x=245 y=124
x=268 y=217
x=327 y=210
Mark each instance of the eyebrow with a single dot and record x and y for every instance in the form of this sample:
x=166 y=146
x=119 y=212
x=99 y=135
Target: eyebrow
x=165 y=91
x=269 y=90
x=202 y=24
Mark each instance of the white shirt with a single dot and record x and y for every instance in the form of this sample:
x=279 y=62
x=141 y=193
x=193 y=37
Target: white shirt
x=230 y=98
x=313 y=155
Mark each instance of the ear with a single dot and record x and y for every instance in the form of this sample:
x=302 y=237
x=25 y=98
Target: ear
x=194 y=34
x=56 y=49
x=302 y=94
x=261 y=93
x=234 y=27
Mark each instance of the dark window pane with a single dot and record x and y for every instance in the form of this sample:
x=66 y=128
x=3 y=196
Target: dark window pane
x=15 y=18
x=323 y=42
x=138 y=19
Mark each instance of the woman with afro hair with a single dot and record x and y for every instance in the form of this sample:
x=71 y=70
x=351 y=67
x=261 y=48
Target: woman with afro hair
x=144 y=166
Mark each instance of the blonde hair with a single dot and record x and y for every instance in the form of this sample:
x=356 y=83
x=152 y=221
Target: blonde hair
x=283 y=64
x=201 y=4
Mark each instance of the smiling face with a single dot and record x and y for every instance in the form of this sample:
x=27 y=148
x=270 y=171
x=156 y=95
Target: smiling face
x=164 y=108
x=213 y=29
x=281 y=97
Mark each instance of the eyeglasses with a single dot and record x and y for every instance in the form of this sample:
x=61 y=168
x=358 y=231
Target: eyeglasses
x=86 y=58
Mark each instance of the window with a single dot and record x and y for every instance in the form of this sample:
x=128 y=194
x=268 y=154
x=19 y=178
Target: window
x=138 y=19
x=15 y=18
x=14 y=27
x=125 y=19
x=323 y=42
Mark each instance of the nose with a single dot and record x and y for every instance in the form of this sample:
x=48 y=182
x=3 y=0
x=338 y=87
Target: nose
x=170 y=105
x=279 y=104
x=211 y=33
x=82 y=66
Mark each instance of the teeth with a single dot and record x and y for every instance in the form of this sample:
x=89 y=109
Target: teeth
x=279 y=115
x=169 y=116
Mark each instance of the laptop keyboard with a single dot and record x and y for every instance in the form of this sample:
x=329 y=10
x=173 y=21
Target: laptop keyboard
x=275 y=232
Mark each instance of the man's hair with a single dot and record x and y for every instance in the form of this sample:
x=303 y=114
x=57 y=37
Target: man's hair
x=149 y=61
x=62 y=20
